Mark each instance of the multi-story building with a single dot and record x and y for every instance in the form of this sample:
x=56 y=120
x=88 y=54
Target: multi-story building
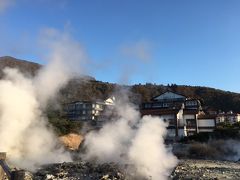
x=228 y=117
x=93 y=112
x=181 y=114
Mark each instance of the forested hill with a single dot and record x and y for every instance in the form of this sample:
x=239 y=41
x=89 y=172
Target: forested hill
x=212 y=98
x=26 y=67
x=90 y=89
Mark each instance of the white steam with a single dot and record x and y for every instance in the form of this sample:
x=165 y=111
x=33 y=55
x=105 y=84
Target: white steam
x=131 y=139
x=232 y=146
x=24 y=132
x=66 y=59
x=148 y=151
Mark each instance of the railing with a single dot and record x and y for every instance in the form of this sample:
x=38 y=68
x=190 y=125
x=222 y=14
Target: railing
x=5 y=171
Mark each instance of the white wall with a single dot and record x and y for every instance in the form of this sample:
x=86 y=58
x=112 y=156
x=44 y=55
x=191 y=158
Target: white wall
x=188 y=116
x=206 y=123
x=220 y=119
x=180 y=118
x=205 y=130
x=238 y=118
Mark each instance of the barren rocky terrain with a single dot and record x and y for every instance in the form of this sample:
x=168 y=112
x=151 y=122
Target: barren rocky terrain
x=206 y=169
x=186 y=169
x=82 y=171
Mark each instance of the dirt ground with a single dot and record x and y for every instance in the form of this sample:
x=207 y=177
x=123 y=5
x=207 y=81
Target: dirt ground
x=71 y=141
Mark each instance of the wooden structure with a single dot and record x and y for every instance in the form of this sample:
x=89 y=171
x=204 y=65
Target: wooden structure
x=5 y=171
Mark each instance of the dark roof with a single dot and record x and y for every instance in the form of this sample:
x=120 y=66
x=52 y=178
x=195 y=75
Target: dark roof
x=166 y=92
x=207 y=116
x=158 y=111
x=226 y=114
x=190 y=111
x=192 y=99
x=84 y=101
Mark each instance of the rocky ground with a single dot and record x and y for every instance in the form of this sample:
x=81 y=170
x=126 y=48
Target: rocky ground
x=206 y=169
x=186 y=169
x=83 y=171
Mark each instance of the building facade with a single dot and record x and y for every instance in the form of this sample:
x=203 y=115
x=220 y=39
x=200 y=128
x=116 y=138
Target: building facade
x=206 y=123
x=183 y=115
x=228 y=117
x=93 y=112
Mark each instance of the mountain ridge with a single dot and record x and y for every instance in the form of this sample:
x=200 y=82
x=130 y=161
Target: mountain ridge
x=91 y=89
x=24 y=66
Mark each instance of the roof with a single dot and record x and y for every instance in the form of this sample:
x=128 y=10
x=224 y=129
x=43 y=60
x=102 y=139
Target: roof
x=207 y=116
x=169 y=95
x=74 y=102
x=84 y=102
x=192 y=99
x=190 y=111
x=158 y=111
x=233 y=114
x=108 y=101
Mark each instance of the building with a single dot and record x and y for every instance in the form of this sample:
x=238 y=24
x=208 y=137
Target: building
x=93 y=112
x=206 y=122
x=177 y=110
x=183 y=115
x=228 y=117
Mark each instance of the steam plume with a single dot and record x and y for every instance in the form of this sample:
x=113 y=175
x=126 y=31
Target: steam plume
x=24 y=132
x=134 y=140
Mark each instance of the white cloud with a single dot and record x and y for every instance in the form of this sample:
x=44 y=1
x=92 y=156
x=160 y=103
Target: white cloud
x=4 y=4
x=140 y=50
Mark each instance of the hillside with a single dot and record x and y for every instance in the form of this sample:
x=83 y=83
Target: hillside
x=90 y=89
x=29 y=68
x=211 y=98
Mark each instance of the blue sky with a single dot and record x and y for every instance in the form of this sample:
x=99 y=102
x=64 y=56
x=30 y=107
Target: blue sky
x=188 y=42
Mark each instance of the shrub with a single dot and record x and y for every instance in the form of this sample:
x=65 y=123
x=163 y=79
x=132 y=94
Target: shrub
x=203 y=151
x=214 y=149
x=64 y=126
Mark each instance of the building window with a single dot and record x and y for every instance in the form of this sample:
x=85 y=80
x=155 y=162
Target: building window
x=191 y=122
x=156 y=105
x=89 y=112
x=165 y=104
x=171 y=122
x=147 y=105
x=79 y=106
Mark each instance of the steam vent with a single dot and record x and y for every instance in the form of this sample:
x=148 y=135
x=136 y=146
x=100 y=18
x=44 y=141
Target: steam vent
x=119 y=90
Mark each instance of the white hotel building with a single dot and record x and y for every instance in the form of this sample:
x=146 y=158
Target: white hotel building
x=184 y=115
